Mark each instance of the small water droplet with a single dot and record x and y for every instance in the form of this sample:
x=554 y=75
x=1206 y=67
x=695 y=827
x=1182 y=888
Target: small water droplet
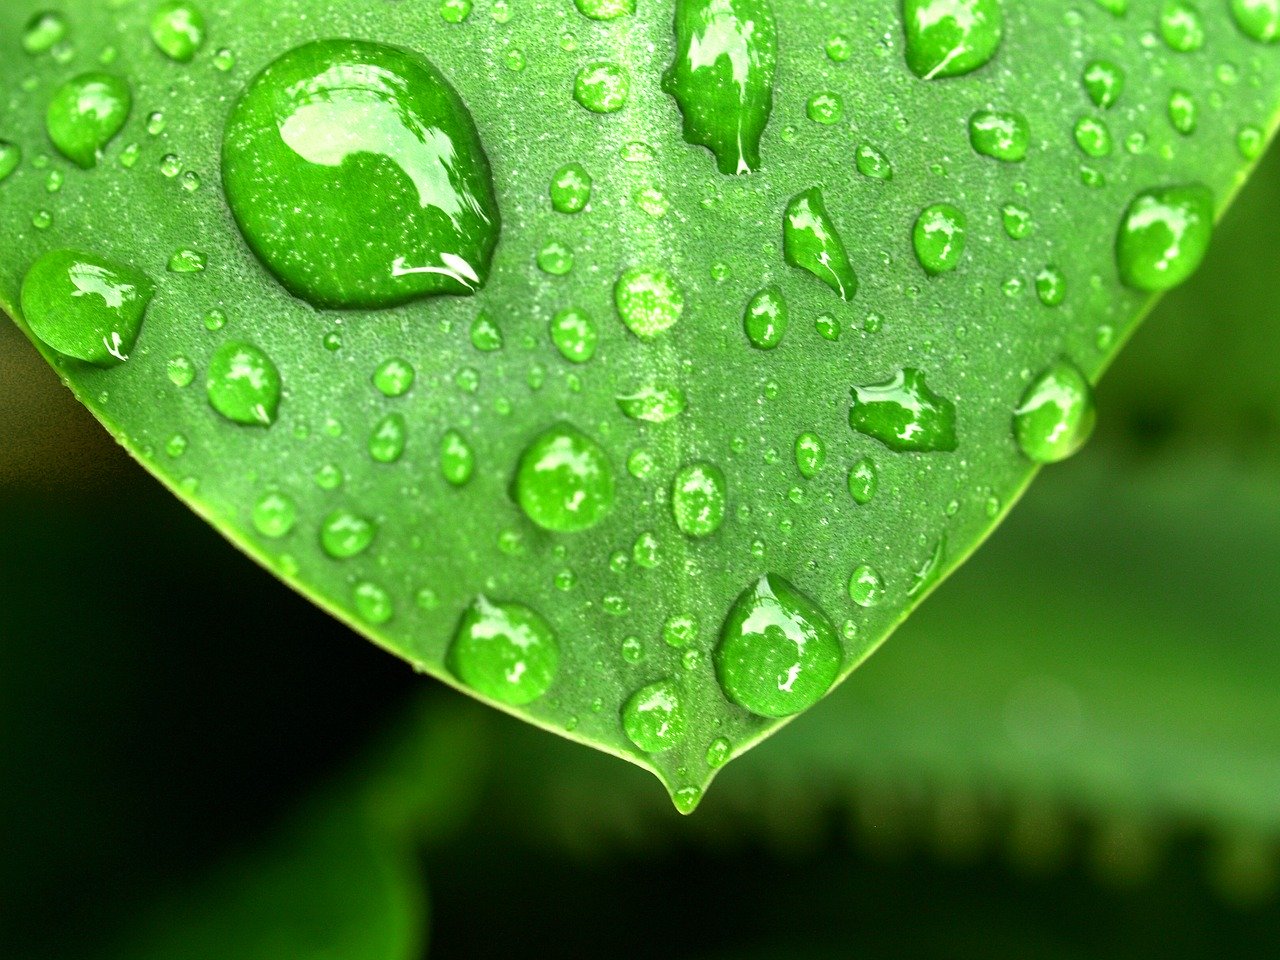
x=645 y=551
x=686 y=799
x=186 y=261
x=1181 y=26
x=223 y=60
x=870 y=162
x=275 y=514
x=387 y=439
x=602 y=87
x=85 y=114
x=863 y=481
x=904 y=414
x=811 y=242
x=1249 y=141
x=1001 y=135
x=1103 y=82
x=1016 y=221
x=243 y=384
x=1056 y=415
x=455 y=11
x=1183 y=113
x=43 y=31
x=178 y=30
x=574 y=334
x=949 y=38
x=555 y=258
x=457 y=460
x=699 y=499
x=648 y=301
x=653 y=716
x=181 y=371
x=866 y=588
x=811 y=454
x=570 y=188
x=10 y=157
x=372 y=603
x=718 y=752
x=825 y=108
x=939 y=238
x=564 y=482
x=504 y=651
x=344 y=534
x=394 y=377
x=1164 y=235
x=1051 y=286
x=656 y=402
x=765 y=319
x=485 y=335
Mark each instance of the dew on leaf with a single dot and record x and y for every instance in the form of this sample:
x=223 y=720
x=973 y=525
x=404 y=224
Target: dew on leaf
x=825 y=108
x=904 y=414
x=605 y=9
x=564 y=482
x=949 y=38
x=223 y=59
x=679 y=631
x=838 y=48
x=504 y=651
x=186 y=261
x=778 y=652
x=1016 y=220
x=181 y=371
x=1257 y=19
x=765 y=319
x=455 y=11
x=1181 y=26
x=387 y=439
x=1056 y=414
x=653 y=717
x=655 y=402
x=345 y=534
x=10 y=157
x=1051 y=286
x=176 y=445
x=44 y=31
x=485 y=335
x=699 y=499
x=828 y=327
x=602 y=87
x=810 y=453
x=872 y=163
x=646 y=551
x=457 y=459
x=394 y=377
x=372 y=603
x=1183 y=113
x=243 y=384
x=864 y=480
x=555 y=258
x=1164 y=235
x=718 y=752
x=356 y=174
x=722 y=77
x=178 y=30
x=170 y=165
x=938 y=238
x=866 y=588
x=927 y=574
x=85 y=306
x=648 y=301
x=811 y=242
x=85 y=114
x=1001 y=135
x=274 y=514
x=1249 y=141
x=1103 y=82
x=570 y=188
x=329 y=477
x=574 y=334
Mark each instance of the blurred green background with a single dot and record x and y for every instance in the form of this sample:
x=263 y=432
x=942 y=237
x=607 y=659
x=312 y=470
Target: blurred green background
x=1073 y=750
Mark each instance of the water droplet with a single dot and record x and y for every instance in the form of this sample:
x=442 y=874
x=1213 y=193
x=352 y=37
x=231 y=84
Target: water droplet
x=1016 y=220
x=1000 y=135
x=215 y=320
x=387 y=439
x=686 y=799
x=186 y=261
x=504 y=651
x=1093 y=137
x=605 y=9
x=394 y=377
x=574 y=334
x=602 y=87
x=870 y=162
x=178 y=30
x=1051 y=286
x=564 y=482
x=243 y=384
x=863 y=481
x=904 y=414
x=485 y=335
x=176 y=446
x=84 y=115
x=825 y=108
x=275 y=514
x=170 y=165
x=1258 y=19
x=426 y=599
x=927 y=574
x=570 y=188
x=679 y=631
x=648 y=301
x=646 y=551
x=1164 y=235
x=699 y=499
x=866 y=588
x=811 y=454
x=1249 y=141
x=356 y=174
x=10 y=157
x=181 y=371
x=344 y=534
x=722 y=77
x=43 y=32
x=1183 y=114
x=223 y=60
x=765 y=319
x=718 y=752
x=1181 y=26
x=457 y=460
x=778 y=653
x=1056 y=415
x=328 y=477
x=455 y=11
x=948 y=38
x=640 y=464
x=653 y=717
x=555 y=258
x=190 y=181
x=938 y=238
x=811 y=242
x=372 y=603
x=85 y=306
x=1103 y=82
x=655 y=402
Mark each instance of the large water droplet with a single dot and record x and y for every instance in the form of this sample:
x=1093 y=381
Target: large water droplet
x=699 y=499
x=648 y=300
x=178 y=30
x=85 y=306
x=765 y=319
x=722 y=77
x=811 y=242
x=1056 y=415
x=602 y=87
x=357 y=175
x=1259 y=19
x=778 y=653
x=1164 y=235
x=1181 y=26
x=504 y=651
x=653 y=718
x=564 y=482
x=904 y=414
x=85 y=113
x=243 y=384
x=938 y=238
x=948 y=38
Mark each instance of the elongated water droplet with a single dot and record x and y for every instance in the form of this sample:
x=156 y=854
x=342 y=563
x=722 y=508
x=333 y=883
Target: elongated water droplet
x=653 y=717
x=1258 y=19
x=863 y=481
x=765 y=319
x=356 y=174
x=904 y=414
x=570 y=188
x=866 y=588
x=504 y=651
x=345 y=534
x=927 y=574
x=457 y=460
x=186 y=261
x=778 y=653
x=602 y=87
x=1181 y=26
x=275 y=514
x=870 y=162
x=1051 y=286
x=811 y=454
x=939 y=237
x=243 y=384
x=1183 y=113
x=44 y=31
x=574 y=334
x=1104 y=82
x=722 y=77
x=85 y=306
x=1056 y=415
x=85 y=114
x=1001 y=135
x=648 y=301
x=387 y=440
x=1164 y=235
x=178 y=30
x=564 y=482
x=1093 y=137
x=811 y=242
x=655 y=402
x=699 y=499
x=948 y=38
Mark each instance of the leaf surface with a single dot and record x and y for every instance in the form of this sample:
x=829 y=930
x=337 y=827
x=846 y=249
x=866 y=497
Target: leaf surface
x=793 y=384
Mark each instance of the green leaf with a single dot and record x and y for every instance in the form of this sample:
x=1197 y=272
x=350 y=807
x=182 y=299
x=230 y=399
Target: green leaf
x=382 y=449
